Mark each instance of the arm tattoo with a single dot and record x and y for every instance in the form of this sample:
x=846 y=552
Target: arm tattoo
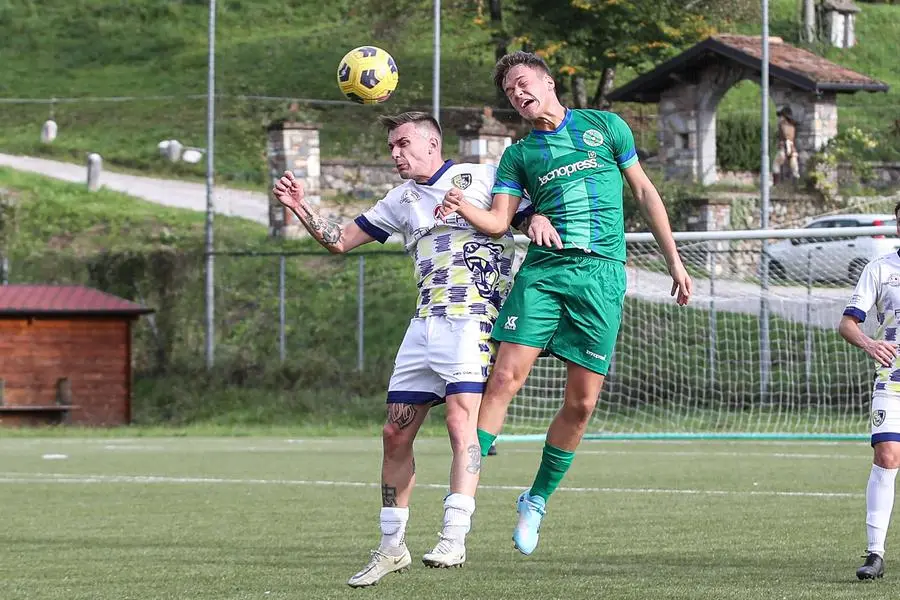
x=474 y=452
x=327 y=232
x=525 y=224
x=388 y=495
x=401 y=415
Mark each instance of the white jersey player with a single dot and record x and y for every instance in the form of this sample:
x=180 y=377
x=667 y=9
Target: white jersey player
x=879 y=288
x=463 y=277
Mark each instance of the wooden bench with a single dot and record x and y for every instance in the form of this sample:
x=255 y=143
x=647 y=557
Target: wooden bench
x=39 y=414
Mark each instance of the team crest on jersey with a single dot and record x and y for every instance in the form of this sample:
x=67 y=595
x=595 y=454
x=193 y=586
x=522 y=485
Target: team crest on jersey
x=877 y=418
x=894 y=280
x=410 y=196
x=462 y=181
x=482 y=260
x=592 y=137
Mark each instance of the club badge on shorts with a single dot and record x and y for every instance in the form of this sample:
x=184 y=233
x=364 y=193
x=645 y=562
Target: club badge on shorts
x=877 y=418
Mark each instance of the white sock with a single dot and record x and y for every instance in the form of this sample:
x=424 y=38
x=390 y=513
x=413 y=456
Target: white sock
x=393 y=527
x=879 y=503
x=458 y=509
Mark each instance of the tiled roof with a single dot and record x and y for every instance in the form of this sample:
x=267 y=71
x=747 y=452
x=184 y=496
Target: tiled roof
x=63 y=300
x=797 y=67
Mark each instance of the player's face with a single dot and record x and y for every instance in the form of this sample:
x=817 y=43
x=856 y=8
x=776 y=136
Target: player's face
x=528 y=90
x=412 y=150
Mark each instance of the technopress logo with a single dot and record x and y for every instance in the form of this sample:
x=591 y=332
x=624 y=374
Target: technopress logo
x=566 y=170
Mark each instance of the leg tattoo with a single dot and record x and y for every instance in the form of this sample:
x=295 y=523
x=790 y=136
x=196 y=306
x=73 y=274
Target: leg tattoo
x=401 y=415
x=388 y=495
x=474 y=452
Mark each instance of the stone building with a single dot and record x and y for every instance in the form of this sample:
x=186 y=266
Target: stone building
x=689 y=87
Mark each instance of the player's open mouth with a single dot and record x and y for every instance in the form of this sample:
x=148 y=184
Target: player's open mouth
x=526 y=103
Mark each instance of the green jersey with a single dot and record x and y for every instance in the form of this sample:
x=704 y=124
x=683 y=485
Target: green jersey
x=572 y=175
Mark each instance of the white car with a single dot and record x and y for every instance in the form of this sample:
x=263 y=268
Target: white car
x=831 y=258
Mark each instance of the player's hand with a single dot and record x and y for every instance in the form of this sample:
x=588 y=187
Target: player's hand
x=289 y=191
x=453 y=201
x=682 y=286
x=542 y=232
x=883 y=352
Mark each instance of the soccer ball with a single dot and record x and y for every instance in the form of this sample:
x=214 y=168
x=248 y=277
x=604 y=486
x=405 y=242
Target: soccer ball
x=367 y=75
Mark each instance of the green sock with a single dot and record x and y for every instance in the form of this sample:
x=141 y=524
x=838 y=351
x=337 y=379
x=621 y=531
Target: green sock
x=554 y=464
x=485 y=440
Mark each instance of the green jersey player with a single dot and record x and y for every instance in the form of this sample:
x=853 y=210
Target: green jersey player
x=568 y=294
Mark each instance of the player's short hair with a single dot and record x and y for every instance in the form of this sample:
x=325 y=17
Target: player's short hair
x=897 y=211
x=518 y=58
x=392 y=122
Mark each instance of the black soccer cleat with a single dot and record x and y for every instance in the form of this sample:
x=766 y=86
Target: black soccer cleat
x=873 y=568
x=492 y=451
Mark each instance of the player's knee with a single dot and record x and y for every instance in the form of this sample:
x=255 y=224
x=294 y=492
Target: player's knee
x=395 y=439
x=460 y=424
x=504 y=379
x=580 y=409
x=887 y=455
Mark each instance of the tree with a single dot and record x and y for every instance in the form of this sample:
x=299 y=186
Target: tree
x=591 y=38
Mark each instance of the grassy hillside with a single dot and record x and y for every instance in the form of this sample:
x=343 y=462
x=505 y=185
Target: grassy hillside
x=154 y=48
x=153 y=255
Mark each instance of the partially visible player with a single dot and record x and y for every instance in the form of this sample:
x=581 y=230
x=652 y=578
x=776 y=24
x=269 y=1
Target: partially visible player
x=463 y=276
x=567 y=298
x=879 y=287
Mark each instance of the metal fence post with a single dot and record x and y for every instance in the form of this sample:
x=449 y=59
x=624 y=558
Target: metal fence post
x=281 y=292
x=809 y=341
x=711 y=353
x=361 y=314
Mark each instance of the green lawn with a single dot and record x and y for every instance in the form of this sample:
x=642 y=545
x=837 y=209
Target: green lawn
x=282 y=517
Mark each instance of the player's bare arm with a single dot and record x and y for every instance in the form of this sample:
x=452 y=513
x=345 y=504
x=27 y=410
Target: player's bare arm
x=880 y=350
x=334 y=237
x=494 y=222
x=654 y=211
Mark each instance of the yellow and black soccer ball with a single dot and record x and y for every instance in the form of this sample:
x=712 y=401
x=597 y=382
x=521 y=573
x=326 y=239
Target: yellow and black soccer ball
x=367 y=75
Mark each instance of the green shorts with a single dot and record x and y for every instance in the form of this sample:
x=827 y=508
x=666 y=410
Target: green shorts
x=567 y=302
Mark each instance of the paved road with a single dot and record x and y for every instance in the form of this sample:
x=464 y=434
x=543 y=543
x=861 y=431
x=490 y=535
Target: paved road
x=822 y=308
x=169 y=192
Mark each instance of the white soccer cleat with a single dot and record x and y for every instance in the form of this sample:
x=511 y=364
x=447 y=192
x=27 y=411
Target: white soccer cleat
x=380 y=564
x=446 y=554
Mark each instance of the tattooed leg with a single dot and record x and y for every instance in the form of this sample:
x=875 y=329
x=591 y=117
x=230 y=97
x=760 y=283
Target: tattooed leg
x=462 y=419
x=398 y=470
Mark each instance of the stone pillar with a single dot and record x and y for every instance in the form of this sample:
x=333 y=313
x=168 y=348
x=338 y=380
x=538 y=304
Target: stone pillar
x=292 y=147
x=484 y=140
x=677 y=133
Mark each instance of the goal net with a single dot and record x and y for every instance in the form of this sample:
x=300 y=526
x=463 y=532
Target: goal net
x=756 y=353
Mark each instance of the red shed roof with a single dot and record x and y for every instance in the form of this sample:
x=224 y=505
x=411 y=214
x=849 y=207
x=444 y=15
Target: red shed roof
x=64 y=300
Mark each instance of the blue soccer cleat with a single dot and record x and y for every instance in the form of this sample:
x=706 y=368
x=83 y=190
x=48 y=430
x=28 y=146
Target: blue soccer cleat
x=531 y=511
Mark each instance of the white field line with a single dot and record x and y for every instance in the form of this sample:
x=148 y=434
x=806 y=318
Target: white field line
x=32 y=478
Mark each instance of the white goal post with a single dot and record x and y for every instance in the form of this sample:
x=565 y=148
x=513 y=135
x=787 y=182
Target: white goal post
x=755 y=354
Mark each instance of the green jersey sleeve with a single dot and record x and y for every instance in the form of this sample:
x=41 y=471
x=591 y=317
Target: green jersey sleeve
x=622 y=142
x=510 y=177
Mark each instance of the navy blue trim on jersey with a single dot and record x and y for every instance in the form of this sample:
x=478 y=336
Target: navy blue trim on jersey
x=376 y=232
x=887 y=436
x=465 y=387
x=626 y=157
x=431 y=181
x=413 y=398
x=852 y=311
x=522 y=215
x=559 y=127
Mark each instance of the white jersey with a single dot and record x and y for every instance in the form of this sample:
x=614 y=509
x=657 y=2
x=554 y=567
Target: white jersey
x=459 y=271
x=879 y=287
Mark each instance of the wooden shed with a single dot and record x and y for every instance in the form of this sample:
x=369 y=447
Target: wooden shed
x=65 y=355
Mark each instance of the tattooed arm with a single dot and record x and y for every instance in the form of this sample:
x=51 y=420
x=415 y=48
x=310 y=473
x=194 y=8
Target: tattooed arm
x=332 y=236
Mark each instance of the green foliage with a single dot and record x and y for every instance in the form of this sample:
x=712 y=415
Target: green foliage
x=738 y=142
x=842 y=163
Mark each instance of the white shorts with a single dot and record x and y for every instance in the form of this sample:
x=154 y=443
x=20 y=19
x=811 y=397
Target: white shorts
x=442 y=356
x=885 y=417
